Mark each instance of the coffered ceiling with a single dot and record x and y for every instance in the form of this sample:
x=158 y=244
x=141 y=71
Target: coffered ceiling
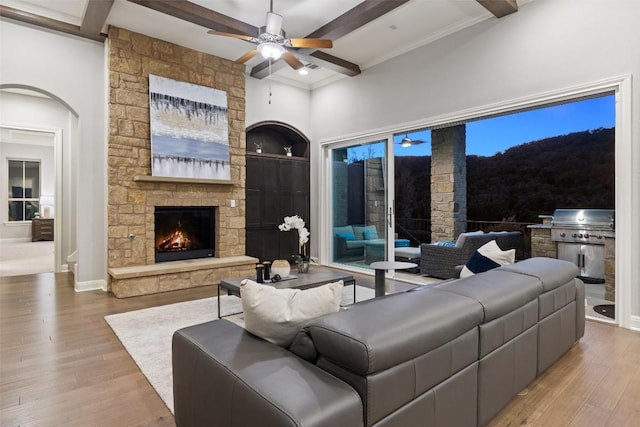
x=364 y=33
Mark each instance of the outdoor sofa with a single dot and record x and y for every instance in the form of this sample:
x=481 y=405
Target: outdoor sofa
x=442 y=261
x=448 y=355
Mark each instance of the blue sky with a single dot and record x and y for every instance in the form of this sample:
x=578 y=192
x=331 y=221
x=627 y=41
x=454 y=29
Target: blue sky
x=488 y=136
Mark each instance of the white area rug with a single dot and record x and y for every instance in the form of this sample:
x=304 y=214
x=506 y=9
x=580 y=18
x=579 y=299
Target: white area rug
x=146 y=334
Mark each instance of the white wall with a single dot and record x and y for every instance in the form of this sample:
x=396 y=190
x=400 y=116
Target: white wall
x=290 y=105
x=72 y=70
x=548 y=45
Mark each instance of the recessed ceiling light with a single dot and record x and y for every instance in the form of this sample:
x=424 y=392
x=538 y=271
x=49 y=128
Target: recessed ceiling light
x=303 y=71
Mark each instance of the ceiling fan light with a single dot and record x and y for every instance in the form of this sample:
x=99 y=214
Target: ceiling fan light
x=406 y=142
x=274 y=23
x=271 y=50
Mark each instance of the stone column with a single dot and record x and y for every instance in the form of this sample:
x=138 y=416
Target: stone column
x=448 y=183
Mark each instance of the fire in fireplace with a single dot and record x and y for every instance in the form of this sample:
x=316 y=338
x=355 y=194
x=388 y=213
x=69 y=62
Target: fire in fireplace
x=184 y=232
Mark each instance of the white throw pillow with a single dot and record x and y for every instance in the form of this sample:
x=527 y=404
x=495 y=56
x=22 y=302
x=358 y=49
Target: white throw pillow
x=487 y=256
x=277 y=315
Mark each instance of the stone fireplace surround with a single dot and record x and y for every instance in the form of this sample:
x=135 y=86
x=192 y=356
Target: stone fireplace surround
x=134 y=193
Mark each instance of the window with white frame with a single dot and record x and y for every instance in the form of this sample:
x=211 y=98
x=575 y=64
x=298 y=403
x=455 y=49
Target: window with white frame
x=24 y=189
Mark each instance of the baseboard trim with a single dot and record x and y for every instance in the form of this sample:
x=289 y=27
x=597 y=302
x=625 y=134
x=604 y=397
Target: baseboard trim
x=91 y=285
x=635 y=323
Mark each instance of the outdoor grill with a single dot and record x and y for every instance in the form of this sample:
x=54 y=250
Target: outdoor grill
x=580 y=235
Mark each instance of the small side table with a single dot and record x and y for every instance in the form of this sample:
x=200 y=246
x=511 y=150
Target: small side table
x=382 y=266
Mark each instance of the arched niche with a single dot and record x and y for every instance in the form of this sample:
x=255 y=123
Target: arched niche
x=273 y=136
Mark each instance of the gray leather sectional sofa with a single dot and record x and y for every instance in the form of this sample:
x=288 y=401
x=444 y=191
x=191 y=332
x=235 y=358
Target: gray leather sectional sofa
x=448 y=355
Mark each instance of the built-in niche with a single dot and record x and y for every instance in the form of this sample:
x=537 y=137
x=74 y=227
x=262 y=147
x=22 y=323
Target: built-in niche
x=276 y=138
x=276 y=186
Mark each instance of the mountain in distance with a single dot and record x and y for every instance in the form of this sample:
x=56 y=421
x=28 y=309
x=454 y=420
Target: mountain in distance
x=524 y=181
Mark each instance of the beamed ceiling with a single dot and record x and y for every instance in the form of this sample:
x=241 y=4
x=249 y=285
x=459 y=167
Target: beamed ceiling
x=364 y=33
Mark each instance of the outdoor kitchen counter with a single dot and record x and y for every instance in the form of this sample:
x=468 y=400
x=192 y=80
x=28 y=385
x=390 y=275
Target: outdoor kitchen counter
x=610 y=234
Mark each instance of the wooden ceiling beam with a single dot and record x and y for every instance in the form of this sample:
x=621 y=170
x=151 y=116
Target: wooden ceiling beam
x=356 y=17
x=95 y=15
x=500 y=8
x=48 y=23
x=199 y=15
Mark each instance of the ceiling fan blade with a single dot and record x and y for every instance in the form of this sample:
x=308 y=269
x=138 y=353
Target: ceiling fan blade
x=247 y=56
x=292 y=60
x=319 y=43
x=235 y=36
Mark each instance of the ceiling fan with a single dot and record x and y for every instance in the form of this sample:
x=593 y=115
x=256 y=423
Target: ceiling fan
x=273 y=43
x=408 y=142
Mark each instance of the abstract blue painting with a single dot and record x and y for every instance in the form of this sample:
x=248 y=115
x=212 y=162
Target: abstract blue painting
x=189 y=130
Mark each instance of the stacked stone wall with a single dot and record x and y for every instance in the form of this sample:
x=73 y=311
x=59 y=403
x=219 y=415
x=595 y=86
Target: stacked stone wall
x=132 y=58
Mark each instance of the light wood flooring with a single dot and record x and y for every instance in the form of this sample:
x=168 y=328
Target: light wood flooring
x=61 y=365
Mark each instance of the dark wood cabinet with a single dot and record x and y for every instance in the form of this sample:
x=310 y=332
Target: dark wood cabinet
x=277 y=186
x=42 y=229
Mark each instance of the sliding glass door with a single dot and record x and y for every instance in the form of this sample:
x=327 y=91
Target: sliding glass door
x=360 y=214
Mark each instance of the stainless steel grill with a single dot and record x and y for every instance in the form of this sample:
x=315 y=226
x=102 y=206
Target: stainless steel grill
x=580 y=236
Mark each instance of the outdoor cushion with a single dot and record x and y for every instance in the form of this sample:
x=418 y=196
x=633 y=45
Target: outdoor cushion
x=487 y=257
x=347 y=229
x=359 y=231
x=346 y=235
x=463 y=236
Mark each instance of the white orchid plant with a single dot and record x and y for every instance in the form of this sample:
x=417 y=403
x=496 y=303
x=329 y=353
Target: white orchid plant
x=297 y=223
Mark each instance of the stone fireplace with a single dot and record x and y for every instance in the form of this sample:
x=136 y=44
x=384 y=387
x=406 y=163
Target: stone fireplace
x=134 y=195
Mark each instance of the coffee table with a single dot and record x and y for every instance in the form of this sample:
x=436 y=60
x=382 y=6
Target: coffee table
x=315 y=277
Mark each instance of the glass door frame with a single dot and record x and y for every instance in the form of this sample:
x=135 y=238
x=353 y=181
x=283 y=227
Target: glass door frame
x=326 y=255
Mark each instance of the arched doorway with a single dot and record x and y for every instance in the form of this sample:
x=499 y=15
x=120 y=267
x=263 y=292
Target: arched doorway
x=32 y=110
x=277 y=186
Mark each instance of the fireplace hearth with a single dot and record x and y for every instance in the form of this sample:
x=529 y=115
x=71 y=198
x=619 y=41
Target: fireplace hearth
x=184 y=232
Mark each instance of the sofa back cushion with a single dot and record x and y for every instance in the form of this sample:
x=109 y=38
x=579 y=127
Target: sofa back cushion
x=462 y=238
x=365 y=232
x=377 y=334
x=346 y=232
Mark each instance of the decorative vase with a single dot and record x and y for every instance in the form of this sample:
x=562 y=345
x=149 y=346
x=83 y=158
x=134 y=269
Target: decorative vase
x=303 y=267
x=289 y=154
x=259 y=150
x=281 y=267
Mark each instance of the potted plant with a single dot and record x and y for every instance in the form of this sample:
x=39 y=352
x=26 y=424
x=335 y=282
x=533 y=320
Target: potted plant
x=301 y=259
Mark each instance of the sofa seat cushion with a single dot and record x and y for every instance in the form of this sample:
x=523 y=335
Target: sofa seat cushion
x=366 y=343
x=276 y=315
x=552 y=273
x=354 y=244
x=498 y=291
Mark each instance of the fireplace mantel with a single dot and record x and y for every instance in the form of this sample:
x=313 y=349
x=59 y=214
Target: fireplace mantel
x=147 y=178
